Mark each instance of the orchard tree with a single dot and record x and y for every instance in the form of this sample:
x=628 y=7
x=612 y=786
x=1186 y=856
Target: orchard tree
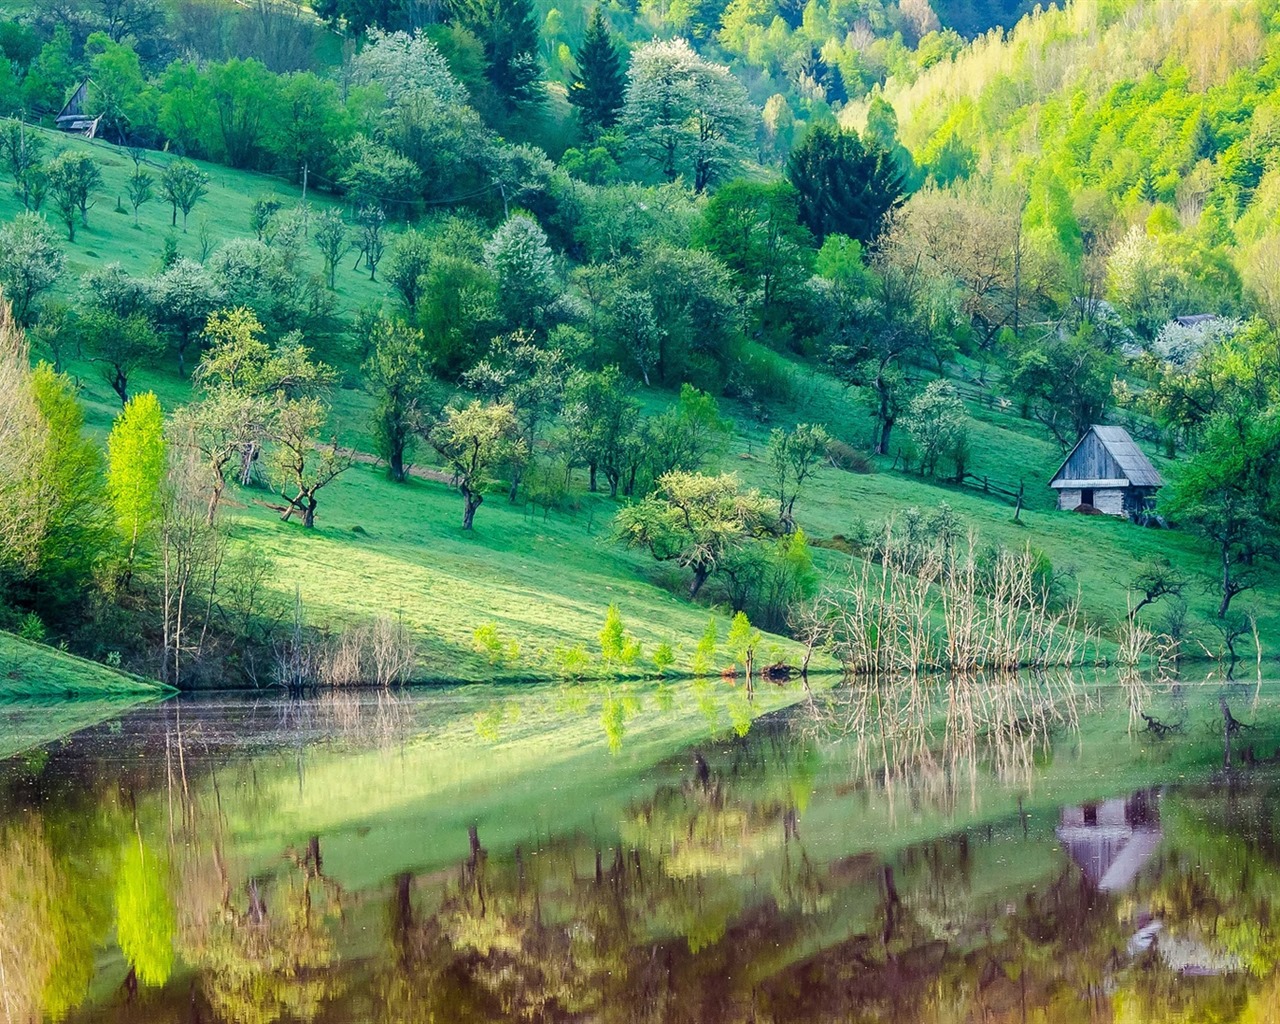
x=794 y=457
x=183 y=185
x=602 y=420
x=370 y=222
x=938 y=425
x=302 y=465
x=30 y=262
x=524 y=266
x=119 y=345
x=685 y=115
x=695 y=521
x=845 y=187
x=136 y=466
x=333 y=241
x=473 y=439
x=410 y=261
x=73 y=180
x=398 y=375
x=140 y=188
x=21 y=149
x=530 y=380
x=182 y=298
x=599 y=87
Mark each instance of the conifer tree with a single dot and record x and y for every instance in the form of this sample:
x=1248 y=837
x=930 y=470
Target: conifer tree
x=846 y=187
x=599 y=88
x=509 y=34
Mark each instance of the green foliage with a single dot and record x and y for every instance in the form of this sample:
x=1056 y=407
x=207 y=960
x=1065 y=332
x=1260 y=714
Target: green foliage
x=146 y=921
x=938 y=425
x=844 y=187
x=30 y=263
x=397 y=375
x=73 y=179
x=663 y=657
x=618 y=648
x=495 y=648
x=743 y=639
x=136 y=462
x=598 y=90
x=704 y=654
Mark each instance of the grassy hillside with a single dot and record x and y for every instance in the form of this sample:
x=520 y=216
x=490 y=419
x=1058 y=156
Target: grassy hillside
x=546 y=581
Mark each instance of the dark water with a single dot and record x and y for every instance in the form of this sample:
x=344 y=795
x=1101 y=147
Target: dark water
x=1001 y=852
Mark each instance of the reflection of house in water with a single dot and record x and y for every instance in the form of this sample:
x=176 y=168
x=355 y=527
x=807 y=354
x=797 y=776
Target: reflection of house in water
x=1112 y=841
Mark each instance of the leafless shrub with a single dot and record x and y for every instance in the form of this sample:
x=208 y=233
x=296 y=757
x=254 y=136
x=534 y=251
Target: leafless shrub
x=942 y=606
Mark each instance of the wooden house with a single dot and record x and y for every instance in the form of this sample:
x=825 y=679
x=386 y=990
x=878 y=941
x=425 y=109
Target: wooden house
x=1106 y=472
x=73 y=117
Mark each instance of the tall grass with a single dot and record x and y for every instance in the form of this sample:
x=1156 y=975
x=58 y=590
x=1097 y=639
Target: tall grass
x=946 y=606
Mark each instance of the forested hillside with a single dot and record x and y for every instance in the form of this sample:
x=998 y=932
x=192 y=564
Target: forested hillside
x=388 y=340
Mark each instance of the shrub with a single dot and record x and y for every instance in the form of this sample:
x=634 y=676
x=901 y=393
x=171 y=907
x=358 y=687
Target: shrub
x=847 y=457
x=489 y=642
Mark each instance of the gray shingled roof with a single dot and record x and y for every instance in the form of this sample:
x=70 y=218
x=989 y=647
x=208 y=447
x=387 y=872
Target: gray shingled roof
x=1136 y=466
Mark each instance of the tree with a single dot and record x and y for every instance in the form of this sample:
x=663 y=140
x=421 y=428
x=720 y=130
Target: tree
x=742 y=641
x=333 y=241
x=410 y=261
x=243 y=98
x=73 y=179
x=689 y=432
x=369 y=223
x=753 y=228
x=695 y=521
x=140 y=189
x=397 y=374
x=119 y=345
x=182 y=298
x=509 y=34
x=794 y=456
x=618 y=648
x=685 y=115
x=21 y=149
x=1229 y=493
x=1067 y=383
x=938 y=425
x=473 y=439
x=598 y=89
x=531 y=381
x=522 y=262
x=301 y=464
x=845 y=187
x=30 y=262
x=1156 y=579
x=135 y=472
x=183 y=185
x=602 y=419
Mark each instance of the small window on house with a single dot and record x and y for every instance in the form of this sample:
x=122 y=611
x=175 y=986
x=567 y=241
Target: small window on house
x=1086 y=497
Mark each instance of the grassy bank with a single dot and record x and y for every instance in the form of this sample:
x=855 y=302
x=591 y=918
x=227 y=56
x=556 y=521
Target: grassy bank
x=47 y=694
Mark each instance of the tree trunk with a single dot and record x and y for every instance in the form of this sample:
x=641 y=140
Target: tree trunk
x=1227 y=590
x=396 y=463
x=309 y=513
x=700 y=574
x=470 y=502
x=591 y=473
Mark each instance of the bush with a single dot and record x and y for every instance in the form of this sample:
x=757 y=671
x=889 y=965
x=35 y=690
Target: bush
x=847 y=457
x=488 y=641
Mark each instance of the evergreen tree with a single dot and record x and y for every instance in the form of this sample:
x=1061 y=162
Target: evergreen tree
x=508 y=33
x=845 y=186
x=599 y=88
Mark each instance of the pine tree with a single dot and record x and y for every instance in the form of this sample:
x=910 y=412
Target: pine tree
x=846 y=187
x=509 y=35
x=599 y=88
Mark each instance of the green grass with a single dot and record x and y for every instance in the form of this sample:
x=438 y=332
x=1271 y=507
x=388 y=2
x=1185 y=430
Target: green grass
x=33 y=670
x=47 y=694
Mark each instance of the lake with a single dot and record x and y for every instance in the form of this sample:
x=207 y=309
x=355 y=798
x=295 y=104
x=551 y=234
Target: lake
x=932 y=851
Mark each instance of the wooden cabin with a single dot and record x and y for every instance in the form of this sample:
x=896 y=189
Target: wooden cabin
x=1107 y=472
x=73 y=116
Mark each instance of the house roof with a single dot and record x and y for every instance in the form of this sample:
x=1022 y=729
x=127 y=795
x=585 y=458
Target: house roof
x=1192 y=319
x=1136 y=467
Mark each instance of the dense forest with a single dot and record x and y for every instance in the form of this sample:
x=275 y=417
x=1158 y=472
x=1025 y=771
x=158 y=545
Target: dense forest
x=561 y=337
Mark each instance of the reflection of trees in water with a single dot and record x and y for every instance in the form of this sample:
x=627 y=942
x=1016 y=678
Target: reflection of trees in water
x=927 y=737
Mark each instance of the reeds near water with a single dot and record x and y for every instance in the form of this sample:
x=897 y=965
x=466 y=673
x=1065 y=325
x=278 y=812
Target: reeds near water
x=948 y=606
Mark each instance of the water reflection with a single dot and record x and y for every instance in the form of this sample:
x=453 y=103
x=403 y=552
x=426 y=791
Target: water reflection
x=956 y=851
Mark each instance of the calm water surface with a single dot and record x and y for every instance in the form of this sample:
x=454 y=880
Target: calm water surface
x=931 y=853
